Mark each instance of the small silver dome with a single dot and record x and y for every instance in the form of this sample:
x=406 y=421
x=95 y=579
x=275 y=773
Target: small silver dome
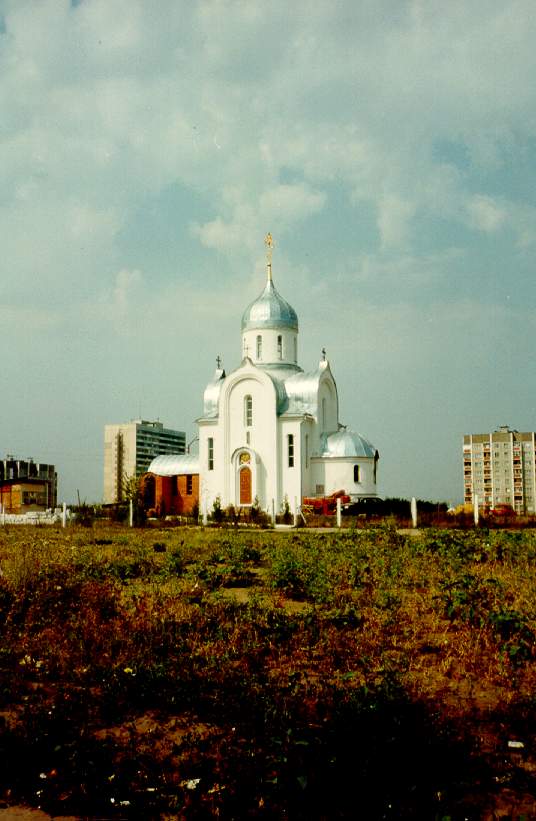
x=348 y=443
x=269 y=310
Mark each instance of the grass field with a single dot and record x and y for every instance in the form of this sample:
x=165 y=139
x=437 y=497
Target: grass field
x=188 y=673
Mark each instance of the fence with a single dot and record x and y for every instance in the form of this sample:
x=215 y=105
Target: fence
x=46 y=517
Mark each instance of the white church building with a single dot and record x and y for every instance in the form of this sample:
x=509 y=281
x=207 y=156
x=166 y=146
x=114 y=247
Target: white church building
x=270 y=432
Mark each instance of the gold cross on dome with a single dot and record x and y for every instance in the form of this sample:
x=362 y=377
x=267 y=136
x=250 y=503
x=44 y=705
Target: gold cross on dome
x=269 y=242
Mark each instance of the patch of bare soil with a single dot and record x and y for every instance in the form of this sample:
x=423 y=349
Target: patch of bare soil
x=164 y=736
x=29 y=814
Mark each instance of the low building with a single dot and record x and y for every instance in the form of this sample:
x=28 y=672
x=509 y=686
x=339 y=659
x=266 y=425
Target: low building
x=129 y=448
x=27 y=486
x=171 y=485
x=500 y=468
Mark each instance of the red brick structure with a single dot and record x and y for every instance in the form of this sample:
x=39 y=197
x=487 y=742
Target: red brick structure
x=171 y=485
x=170 y=495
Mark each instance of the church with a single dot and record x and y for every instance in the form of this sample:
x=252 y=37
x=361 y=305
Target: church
x=270 y=433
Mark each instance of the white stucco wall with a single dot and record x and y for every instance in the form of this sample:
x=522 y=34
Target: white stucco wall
x=290 y=478
x=328 y=406
x=338 y=474
x=308 y=437
x=231 y=432
x=210 y=481
x=249 y=381
x=270 y=352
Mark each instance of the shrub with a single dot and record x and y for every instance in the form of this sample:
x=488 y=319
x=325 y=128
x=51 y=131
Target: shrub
x=194 y=513
x=217 y=511
x=285 y=515
x=299 y=573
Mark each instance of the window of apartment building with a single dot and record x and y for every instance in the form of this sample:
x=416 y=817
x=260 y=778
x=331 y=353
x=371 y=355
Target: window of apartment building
x=290 y=447
x=259 y=347
x=189 y=485
x=280 y=347
x=356 y=473
x=210 y=453
x=248 y=411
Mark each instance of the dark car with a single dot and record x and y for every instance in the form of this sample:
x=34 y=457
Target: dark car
x=371 y=506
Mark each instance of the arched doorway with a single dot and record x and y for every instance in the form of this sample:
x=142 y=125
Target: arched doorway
x=148 y=491
x=245 y=486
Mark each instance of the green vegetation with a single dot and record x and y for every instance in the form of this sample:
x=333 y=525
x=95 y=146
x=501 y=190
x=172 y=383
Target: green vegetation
x=198 y=673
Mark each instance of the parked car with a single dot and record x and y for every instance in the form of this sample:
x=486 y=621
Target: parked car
x=369 y=506
x=502 y=510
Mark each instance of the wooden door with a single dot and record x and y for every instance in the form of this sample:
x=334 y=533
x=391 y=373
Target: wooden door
x=245 y=486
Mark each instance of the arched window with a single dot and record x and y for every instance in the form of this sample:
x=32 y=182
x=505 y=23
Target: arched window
x=280 y=347
x=295 y=349
x=324 y=413
x=149 y=491
x=259 y=347
x=248 y=411
x=356 y=473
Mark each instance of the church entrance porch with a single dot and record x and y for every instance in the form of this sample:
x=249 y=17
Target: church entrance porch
x=246 y=477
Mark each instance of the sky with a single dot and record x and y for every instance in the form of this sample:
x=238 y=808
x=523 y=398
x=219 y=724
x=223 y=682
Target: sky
x=147 y=148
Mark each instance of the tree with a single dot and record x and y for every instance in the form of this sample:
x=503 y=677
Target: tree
x=133 y=492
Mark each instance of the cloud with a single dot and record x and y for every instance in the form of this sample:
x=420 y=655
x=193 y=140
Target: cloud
x=394 y=216
x=278 y=208
x=388 y=130
x=486 y=214
x=121 y=304
x=491 y=215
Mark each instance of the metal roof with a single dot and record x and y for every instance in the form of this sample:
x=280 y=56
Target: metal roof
x=174 y=464
x=296 y=391
x=348 y=443
x=269 y=310
x=212 y=395
x=302 y=393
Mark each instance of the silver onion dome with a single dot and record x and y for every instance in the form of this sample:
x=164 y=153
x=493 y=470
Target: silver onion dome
x=269 y=310
x=348 y=443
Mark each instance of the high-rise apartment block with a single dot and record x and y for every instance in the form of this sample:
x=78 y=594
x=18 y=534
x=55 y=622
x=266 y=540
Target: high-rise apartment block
x=129 y=449
x=500 y=468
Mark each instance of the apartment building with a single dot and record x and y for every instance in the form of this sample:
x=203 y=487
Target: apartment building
x=27 y=486
x=130 y=447
x=500 y=468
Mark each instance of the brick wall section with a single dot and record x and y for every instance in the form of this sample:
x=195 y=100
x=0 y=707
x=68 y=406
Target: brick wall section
x=171 y=496
x=188 y=501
